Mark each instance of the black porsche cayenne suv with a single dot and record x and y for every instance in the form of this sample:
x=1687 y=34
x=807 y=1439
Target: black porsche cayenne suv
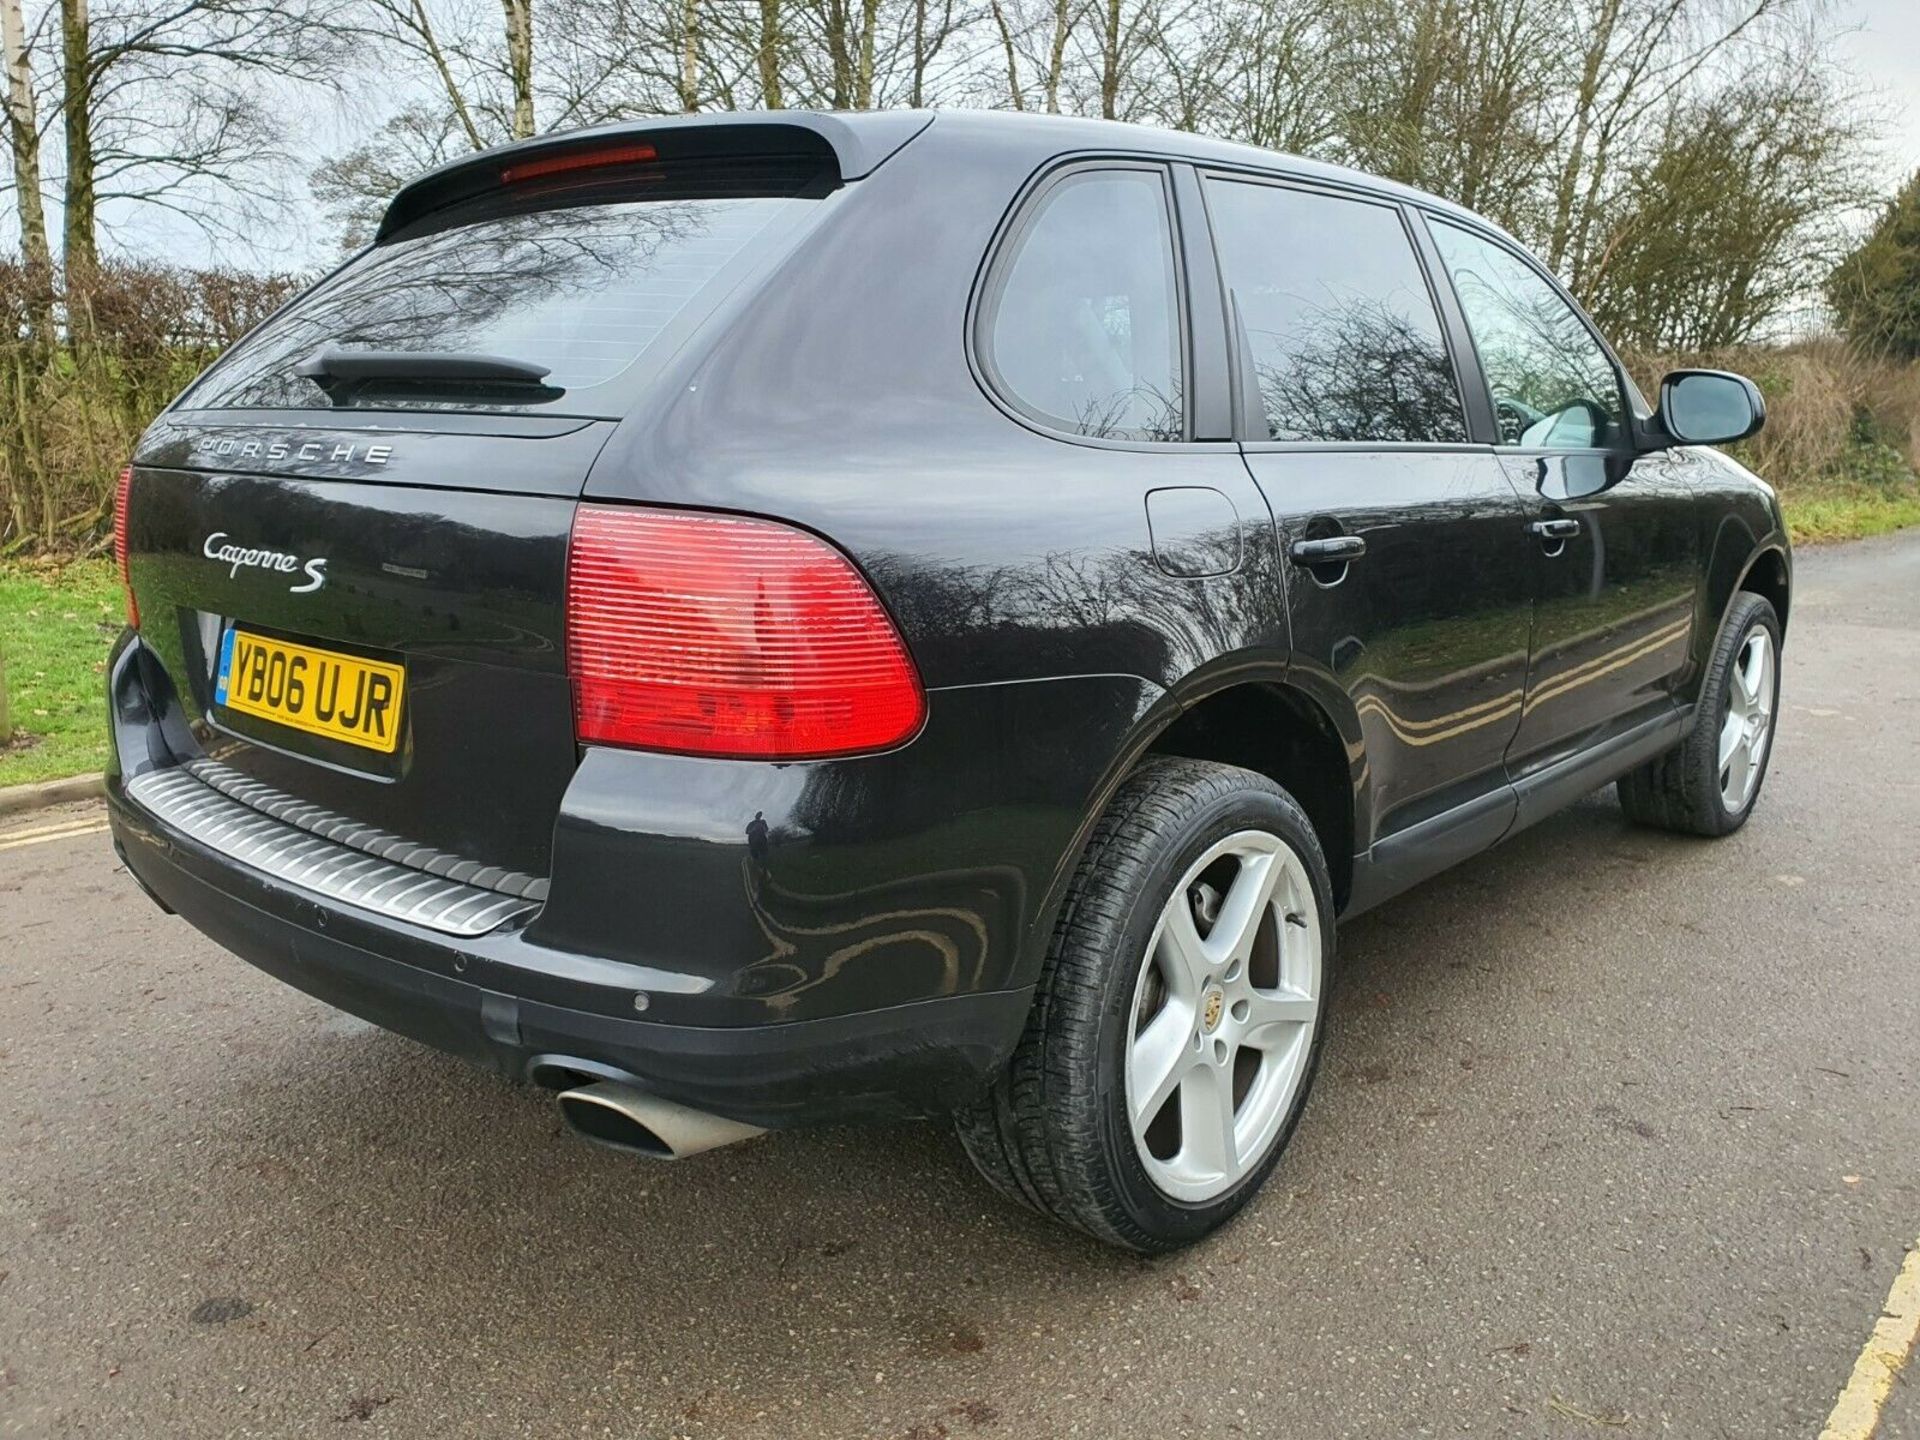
x=754 y=620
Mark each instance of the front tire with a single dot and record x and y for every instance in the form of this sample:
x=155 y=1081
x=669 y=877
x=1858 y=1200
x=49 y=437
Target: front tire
x=1708 y=784
x=1178 y=1019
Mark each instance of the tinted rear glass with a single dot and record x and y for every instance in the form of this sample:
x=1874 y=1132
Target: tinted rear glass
x=1083 y=327
x=593 y=292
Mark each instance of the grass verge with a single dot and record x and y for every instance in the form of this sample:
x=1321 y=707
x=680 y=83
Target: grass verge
x=1820 y=515
x=56 y=625
x=1869 y=488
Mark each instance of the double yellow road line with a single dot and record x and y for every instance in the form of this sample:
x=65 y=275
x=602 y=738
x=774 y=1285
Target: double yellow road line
x=45 y=834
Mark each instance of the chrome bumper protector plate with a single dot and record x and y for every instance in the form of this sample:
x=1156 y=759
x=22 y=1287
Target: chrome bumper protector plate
x=331 y=855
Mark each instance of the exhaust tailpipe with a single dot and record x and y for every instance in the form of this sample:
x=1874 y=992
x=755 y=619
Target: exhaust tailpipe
x=630 y=1119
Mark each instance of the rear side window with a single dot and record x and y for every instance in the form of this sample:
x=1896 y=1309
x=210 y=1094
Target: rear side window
x=1082 y=324
x=1553 y=386
x=589 y=291
x=1346 y=342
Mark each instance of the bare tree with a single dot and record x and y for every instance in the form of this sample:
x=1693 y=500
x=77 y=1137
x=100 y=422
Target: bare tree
x=690 y=55
x=1734 y=215
x=23 y=139
x=1014 y=94
x=354 y=187
x=922 y=53
x=1450 y=95
x=767 y=55
x=1273 y=70
x=519 y=15
x=1636 y=58
x=486 y=76
x=1113 y=50
x=1064 y=13
x=410 y=25
x=176 y=106
x=79 y=245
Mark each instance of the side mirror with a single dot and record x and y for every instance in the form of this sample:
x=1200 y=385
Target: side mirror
x=1710 y=407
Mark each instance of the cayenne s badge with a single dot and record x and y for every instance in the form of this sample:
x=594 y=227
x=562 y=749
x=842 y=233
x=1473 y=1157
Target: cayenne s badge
x=239 y=557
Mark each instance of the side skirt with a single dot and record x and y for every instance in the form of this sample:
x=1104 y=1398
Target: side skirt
x=1401 y=860
x=1550 y=790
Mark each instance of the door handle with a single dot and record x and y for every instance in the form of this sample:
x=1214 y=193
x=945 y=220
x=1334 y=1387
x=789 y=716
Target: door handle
x=1333 y=550
x=1564 y=529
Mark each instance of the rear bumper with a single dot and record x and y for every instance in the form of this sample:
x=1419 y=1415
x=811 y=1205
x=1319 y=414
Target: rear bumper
x=907 y=1059
x=778 y=944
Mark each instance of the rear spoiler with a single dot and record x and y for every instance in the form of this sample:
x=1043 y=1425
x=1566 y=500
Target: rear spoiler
x=854 y=145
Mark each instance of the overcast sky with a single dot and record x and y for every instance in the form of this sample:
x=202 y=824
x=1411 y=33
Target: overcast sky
x=1884 y=46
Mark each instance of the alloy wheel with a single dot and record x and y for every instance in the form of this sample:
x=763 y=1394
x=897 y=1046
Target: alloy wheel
x=1748 y=728
x=1224 y=1014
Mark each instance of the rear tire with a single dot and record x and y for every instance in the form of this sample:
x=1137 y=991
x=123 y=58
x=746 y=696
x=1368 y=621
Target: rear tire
x=1212 y=1008
x=1709 y=783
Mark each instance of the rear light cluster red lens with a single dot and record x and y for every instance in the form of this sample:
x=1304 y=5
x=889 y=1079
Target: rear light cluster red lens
x=720 y=635
x=120 y=542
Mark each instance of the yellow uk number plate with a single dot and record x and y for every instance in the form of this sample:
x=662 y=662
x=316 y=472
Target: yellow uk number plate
x=324 y=693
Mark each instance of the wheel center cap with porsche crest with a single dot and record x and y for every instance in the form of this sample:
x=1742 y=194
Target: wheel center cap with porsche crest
x=1210 y=1011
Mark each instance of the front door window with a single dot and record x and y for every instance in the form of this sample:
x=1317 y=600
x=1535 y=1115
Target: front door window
x=1553 y=387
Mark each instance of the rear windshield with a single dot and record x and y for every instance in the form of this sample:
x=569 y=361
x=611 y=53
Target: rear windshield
x=599 y=294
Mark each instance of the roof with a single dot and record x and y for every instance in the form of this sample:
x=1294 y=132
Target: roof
x=1071 y=133
x=860 y=141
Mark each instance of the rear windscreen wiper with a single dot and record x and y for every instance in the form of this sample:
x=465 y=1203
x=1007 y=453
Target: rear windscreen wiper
x=343 y=372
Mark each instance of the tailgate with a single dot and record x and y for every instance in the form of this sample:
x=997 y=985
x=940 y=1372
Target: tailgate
x=379 y=572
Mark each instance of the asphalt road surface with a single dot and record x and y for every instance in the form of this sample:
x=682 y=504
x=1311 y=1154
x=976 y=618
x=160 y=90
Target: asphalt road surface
x=1617 y=1136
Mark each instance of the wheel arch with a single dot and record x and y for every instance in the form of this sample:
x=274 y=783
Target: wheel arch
x=1255 y=716
x=1280 y=730
x=1740 y=555
x=1770 y=574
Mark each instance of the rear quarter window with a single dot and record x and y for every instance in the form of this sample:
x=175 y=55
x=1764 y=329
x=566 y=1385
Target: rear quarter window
x=597 y=293
x=1081 y=325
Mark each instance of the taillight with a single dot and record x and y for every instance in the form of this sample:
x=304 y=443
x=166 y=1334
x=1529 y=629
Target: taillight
x=720 y=635
x=120 y=543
